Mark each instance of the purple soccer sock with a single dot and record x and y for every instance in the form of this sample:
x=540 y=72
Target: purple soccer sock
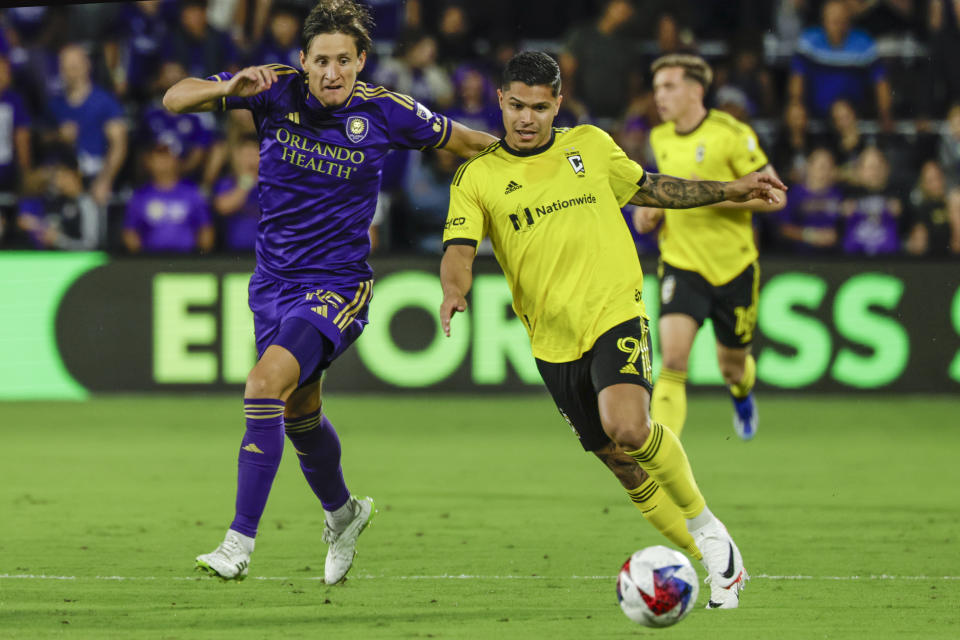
x=260 y=454
x=318 y=449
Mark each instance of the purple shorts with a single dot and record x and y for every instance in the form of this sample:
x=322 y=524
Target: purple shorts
x=339 y=313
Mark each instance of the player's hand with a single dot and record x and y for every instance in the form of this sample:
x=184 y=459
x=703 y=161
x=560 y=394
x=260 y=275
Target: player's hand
x=646 y=219
x=755 y=186
x=452 y=303
x=251 y=81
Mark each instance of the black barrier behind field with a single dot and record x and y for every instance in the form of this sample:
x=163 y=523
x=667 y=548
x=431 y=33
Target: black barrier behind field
x=80 y=323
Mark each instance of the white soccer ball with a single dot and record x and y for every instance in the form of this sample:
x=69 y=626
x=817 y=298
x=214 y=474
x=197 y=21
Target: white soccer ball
x=657 y=587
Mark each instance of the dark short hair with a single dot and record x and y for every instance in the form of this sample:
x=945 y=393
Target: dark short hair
x=532 y=68
x=339 y=16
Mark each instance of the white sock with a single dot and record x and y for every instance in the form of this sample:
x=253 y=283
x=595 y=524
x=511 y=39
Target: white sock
x=339 y=519
x=703 y=519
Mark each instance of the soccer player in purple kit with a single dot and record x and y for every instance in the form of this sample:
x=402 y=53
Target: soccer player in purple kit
x=323 y=139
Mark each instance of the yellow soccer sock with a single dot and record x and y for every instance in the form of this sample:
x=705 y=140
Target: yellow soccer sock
x=669 y=402
x=663 y=458
x=658 y=510
x=743 y=388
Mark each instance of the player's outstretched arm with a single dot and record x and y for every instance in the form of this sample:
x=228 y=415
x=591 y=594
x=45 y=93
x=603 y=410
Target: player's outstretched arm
x=456 y=278
x=759 y=205
x=467 y=142
x=194 y=94
x=661 y=190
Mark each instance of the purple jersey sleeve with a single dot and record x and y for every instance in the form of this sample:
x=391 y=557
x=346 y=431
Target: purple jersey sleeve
x=257 y=103
x=414 y=126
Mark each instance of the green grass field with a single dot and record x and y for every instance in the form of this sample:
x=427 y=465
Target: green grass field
x=492 y=522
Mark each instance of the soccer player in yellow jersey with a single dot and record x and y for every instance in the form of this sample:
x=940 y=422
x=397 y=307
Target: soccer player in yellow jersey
x=549 y=199
x=708 y=259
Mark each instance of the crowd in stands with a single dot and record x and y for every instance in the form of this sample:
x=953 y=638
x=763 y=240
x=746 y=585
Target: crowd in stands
x=857 y=104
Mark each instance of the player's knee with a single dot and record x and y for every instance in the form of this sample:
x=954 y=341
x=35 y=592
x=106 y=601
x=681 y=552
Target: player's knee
x=676 y=361
x=266 y=382
x=731 y=371
x=630 y=432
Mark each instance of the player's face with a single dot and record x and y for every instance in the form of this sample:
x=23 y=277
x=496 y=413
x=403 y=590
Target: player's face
x=528 y=113
x=332 y=64
x=674 y=94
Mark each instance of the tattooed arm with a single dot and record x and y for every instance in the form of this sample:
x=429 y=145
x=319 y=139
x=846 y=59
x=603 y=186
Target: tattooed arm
x=660 y=190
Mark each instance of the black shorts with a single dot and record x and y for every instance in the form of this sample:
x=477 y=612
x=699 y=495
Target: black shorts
x=621 y=355
x=732 y=306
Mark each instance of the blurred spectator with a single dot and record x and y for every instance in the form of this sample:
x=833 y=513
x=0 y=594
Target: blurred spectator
x=33 y=54
x=793 y=143
x=235 y=197
x=949 y=148
x=15 y=154
x=634 y=136
x=671 y=37
x=391 y=16
x=199 y=47
x=847 y=141
x=281 y=43
x=943 y=29
x=132 y=52
x=871 y=209
x=600 y=65
x=734 y=101
x=191 y=136
x=455 y=45
x=427 y=187
x=476 y=106
x=788 y=21
x=885 y=17
x=834 y=62
x=167 y=214
x=928 y=221
x=751 y=79
x=62 y=216
x=809 y=222
x=413 y=70
x=90 y=119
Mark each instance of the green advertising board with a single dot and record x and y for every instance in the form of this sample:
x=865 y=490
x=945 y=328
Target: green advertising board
x=75 y=324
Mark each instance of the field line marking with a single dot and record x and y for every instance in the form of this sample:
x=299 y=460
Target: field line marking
x=464 y=576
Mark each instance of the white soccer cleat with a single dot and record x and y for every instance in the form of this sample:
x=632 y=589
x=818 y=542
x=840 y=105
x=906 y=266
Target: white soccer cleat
x=343 y=545
x=726 y=574
x=230 y=560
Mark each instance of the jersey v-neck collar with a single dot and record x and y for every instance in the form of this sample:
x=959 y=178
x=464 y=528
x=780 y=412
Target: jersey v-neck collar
x=524 y=153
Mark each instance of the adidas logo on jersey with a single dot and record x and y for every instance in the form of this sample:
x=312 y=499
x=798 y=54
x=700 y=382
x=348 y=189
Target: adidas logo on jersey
x=513 y=186
x=629 y=368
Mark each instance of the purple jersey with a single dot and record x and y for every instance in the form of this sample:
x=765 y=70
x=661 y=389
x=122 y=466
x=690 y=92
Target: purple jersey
x=320 y=173
x=168 y=219
x=872 y=228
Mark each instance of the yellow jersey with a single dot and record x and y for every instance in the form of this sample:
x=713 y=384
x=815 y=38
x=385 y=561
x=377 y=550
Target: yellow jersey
x=553 y=217
x=716 y=243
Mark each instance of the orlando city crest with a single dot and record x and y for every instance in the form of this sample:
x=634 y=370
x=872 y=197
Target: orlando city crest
x=357 y=128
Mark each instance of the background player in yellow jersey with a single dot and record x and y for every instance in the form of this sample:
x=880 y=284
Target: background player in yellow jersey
x=708 y=265
x=550 y=199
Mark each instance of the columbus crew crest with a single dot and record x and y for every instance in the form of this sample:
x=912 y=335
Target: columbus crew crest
x=357 y=128
x=576 y=161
